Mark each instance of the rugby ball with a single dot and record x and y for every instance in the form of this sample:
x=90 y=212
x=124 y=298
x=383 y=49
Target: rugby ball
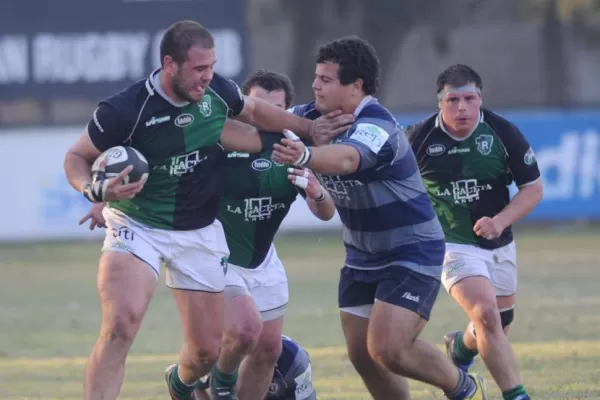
x=120 y=157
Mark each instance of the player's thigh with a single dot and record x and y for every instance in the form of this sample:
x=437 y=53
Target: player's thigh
x=504 y=273
x=196 y=273
x=268 y=286
x=355 y=330
x=127 y=272
x=202 y=315
x=464 y=261
x=356 y=295
x=404 y=301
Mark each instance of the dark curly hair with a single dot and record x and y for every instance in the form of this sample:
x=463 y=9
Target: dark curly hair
x=356 y=58
x=458 y=75
x=270 y=81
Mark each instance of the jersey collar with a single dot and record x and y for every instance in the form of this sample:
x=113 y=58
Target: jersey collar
x=439 y=123
x=153 y=86
x=368 y=99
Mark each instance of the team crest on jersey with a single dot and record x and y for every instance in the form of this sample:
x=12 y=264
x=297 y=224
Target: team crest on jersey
x=484 y=144
x=205 y=106
x=529 y=158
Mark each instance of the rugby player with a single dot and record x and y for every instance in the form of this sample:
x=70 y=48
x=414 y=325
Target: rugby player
x=467 y=157
x=290 y=378
x=175 y=118
x=256 y=197
x=394 y=241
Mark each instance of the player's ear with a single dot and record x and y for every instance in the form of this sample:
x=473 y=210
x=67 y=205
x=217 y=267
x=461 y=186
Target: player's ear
x=169 y=66
x=357 y=86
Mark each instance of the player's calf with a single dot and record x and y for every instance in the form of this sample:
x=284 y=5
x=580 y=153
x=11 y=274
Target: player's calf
x=242 y=329
x=477 y=297
x=256 y=371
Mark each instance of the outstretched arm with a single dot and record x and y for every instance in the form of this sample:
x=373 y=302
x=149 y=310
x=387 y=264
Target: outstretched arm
x=266 y=116
x=331 y=159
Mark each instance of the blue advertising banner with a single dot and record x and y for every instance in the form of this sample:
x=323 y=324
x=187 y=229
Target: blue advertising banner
x=567 y=148
x=72 y=53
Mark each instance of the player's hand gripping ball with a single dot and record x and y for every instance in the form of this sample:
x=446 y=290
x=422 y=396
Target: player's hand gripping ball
x=117 y=174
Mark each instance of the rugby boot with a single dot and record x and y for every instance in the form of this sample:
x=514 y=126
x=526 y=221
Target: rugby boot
x=450 y=340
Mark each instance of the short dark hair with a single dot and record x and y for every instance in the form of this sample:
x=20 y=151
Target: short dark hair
x=458 y=75
x=180 y=37
x=270 y=81
x=356 y=58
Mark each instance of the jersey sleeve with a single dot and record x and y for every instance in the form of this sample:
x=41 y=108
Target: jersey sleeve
x=230 y=92
x=521 y=159
x=108 y=127
x=372 y=142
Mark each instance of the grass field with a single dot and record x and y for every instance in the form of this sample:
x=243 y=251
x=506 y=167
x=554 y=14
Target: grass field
x=49 y=318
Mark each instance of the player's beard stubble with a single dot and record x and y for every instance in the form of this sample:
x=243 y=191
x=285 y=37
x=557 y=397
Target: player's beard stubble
x=179 y=88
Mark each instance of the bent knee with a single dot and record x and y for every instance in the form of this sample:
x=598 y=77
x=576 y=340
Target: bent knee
x=122 y=327
x=205 y=355
x=390 y=355
x=487 y=317
x=244 y=335
x=267 y=350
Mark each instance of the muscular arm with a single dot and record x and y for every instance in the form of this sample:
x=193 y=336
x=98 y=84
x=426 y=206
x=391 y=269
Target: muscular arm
x=78 y=161
x=238 y=136
x=266 y=116
x=334 y=159
x=522 y=204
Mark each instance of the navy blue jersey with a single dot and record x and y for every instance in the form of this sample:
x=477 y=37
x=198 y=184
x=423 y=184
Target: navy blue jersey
x=387 y=216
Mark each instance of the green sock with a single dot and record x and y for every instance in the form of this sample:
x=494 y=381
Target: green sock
x=516 y=393
x=221 y=379
x=178 y=388
x=463 y=354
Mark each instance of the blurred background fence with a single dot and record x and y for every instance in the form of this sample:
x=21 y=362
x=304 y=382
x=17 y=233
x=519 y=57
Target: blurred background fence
x=539 y=59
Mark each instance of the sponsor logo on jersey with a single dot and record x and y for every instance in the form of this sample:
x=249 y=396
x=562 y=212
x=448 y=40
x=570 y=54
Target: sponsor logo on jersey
x=304 y=386
x=459 y=150
x=237 y=154
x=529 y=158
x=184 y=120
x=338 y=188
x=436 y=150
x=160 y=120
x=371 y=136
x=261 y=164
x=257 y=208
x=205 y=106
x=484 y=144
x=464 y=191
x=184 y=164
